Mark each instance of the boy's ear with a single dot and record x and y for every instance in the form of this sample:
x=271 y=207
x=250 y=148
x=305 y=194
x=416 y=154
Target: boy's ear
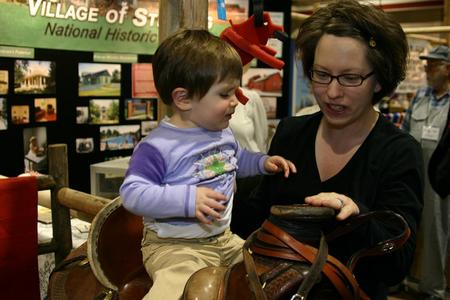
x=181 y=99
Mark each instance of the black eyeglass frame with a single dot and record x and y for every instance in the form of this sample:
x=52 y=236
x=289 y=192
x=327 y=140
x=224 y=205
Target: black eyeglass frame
x=337 y=77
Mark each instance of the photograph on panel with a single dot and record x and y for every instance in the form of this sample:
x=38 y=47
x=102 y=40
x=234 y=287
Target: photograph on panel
x=148 y=126
x=35 y=149
x=34 y=77
x=99 y=79
x=3 y=82
x=104 y=111
x=84 y=145
x=119 y=137
x=142 y=83
x=20 y=114
x=3 y=114
x=139 y=109
x=82 y=114
x=45 y=110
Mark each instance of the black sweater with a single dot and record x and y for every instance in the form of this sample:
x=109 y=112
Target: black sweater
x=386 y=173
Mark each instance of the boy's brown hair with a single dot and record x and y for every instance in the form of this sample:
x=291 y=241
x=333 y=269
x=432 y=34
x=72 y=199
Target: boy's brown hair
x=193 y=59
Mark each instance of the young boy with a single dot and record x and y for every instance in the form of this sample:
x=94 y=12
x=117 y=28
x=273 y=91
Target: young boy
x=181 y=178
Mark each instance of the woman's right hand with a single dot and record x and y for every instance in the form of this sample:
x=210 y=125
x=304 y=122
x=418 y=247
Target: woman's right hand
x=345 y=206
x=207 y=205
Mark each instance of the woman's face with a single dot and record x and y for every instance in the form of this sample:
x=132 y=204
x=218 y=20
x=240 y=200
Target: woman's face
x=343 y=105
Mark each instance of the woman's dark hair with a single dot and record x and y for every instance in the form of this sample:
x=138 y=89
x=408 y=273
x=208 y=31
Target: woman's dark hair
x=386 y=42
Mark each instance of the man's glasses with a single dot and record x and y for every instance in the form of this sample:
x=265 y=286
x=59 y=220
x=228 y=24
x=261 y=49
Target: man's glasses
x=349 y=80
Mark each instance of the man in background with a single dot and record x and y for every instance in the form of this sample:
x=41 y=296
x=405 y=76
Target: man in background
x=426 y=120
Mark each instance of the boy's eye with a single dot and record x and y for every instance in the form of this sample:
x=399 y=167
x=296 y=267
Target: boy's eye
x=226 y=95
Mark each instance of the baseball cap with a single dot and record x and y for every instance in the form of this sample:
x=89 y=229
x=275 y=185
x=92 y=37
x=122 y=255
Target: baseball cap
x=439 y=52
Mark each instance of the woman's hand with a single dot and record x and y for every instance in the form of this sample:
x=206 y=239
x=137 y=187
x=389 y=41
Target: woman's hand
x=341 y=203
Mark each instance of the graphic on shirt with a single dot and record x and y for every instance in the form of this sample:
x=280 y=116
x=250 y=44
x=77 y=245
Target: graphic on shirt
x=214 y=164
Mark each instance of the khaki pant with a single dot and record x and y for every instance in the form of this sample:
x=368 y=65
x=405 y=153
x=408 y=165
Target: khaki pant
x=170 y=262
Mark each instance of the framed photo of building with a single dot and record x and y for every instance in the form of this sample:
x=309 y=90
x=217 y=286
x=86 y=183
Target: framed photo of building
x=96 y=79
x=34 y=77
x=104 y=111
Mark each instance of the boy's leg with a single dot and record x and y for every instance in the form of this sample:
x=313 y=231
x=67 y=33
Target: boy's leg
x=230 y=245
x=170 y=263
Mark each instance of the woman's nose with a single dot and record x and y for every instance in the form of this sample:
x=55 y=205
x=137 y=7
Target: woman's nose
x=334 y=89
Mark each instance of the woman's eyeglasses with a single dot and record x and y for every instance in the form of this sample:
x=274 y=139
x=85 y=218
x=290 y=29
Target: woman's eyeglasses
x=348 y=80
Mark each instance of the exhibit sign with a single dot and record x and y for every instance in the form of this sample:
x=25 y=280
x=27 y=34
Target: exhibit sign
x=105 y=26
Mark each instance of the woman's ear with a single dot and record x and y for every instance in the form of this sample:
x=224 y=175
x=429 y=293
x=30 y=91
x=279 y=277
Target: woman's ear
x=377 y=87
x=181 y=99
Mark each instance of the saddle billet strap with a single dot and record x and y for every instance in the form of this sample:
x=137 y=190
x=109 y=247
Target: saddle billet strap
x=333 y=269
x=314 y=272
x=318 y=263
x=381 y=248
x=253 y=280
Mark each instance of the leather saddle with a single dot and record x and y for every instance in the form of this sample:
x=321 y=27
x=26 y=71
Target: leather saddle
x=109 y=265
x=287 y=258
x=279 y=263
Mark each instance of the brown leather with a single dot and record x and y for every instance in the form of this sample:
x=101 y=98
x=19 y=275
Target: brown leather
x=137 y=285
x=334 y=269
x=76 y=281
x=119 y=246
x=120 y=258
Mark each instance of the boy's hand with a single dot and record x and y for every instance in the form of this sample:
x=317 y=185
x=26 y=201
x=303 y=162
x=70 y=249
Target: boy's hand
x=276 y=164
x=207 y=203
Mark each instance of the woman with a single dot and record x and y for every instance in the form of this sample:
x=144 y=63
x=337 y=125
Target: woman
x=348 y=156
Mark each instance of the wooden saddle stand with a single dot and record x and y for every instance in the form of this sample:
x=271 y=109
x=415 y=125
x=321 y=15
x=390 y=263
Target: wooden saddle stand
x=287 y=258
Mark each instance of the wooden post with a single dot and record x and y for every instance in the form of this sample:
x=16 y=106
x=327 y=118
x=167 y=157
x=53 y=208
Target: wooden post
x=447 y=23
x=81 y=202
x=59 y=170
x=176 y=14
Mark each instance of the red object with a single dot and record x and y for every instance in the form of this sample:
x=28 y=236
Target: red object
x=19 y=277
x=250 y=41
x=240 y=96
x=270 y=83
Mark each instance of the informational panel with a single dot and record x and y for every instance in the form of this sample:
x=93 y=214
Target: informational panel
x=107 y=26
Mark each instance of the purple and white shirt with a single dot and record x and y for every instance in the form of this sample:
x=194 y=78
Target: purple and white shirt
x=166 y=168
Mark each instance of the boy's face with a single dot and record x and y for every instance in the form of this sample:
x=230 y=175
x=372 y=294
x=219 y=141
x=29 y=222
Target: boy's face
x=214 y=110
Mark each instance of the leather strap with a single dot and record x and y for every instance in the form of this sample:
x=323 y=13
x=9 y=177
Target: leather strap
x=281 y=244
x=381 y=248
x=314 y=271
x=253 y=280
x=333 y=269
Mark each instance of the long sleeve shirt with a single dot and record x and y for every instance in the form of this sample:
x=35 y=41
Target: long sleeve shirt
x=167 y=167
